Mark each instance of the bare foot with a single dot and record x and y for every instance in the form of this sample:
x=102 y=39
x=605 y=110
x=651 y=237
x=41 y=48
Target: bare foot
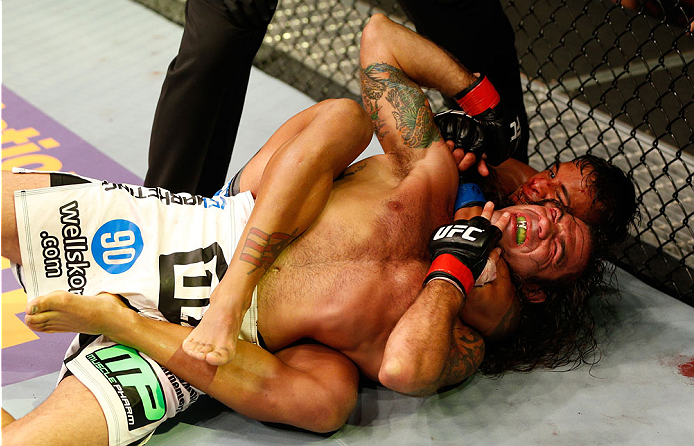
x=61 y=311
x=214 y=339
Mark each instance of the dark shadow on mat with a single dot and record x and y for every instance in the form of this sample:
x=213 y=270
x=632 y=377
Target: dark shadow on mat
x=204 y=409
x=207 y=408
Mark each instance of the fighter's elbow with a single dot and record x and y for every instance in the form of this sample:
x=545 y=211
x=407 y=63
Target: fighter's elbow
x=408 y=378
x=375 y=32
x=330 y=416
x=328 y=421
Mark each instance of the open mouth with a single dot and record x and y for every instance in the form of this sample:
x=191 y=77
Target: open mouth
x=521 y=230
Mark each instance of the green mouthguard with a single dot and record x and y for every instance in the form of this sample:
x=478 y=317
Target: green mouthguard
x=521 y=233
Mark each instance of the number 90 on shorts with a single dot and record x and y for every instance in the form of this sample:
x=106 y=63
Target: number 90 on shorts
x=116 y=246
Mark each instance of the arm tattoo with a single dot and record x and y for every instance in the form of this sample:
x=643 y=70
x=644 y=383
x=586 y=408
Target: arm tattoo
x=371 y=92
x=466 y=355
x=261 y=249
x=414 y=120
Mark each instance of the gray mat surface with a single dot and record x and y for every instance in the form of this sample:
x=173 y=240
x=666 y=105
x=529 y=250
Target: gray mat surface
x=96 y=67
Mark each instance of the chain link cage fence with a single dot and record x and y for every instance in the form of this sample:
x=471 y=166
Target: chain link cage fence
x=606 y=77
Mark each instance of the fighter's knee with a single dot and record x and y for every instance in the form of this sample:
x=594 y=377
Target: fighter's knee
x=339 y=106
x=350 y=115
x=353 y=110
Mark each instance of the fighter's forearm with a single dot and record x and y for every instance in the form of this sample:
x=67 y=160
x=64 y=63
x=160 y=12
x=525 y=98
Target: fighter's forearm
x=429 y=347
x=512 y=173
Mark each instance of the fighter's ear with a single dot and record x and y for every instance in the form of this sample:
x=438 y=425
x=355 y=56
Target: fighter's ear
x=533 y=293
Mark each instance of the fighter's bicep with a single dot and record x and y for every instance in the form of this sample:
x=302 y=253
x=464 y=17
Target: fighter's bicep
x=398 y=108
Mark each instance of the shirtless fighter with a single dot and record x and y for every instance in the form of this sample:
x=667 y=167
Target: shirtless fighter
x=352 y=281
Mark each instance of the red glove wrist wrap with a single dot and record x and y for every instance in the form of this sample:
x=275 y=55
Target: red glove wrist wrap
x=448 y=263
x=478 y=97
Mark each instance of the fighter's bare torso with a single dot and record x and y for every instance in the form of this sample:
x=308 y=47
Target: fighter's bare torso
x=350 y=277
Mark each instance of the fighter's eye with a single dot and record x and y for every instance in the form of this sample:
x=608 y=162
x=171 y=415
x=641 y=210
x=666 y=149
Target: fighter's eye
x=552 y=170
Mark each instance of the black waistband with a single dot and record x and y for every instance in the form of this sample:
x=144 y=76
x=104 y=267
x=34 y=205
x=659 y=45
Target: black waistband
x=261 y=341
x=63 y=179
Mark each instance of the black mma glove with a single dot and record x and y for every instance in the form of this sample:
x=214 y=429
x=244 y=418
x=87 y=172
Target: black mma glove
x=460 y=250
x=498 y=131
x=464 y=131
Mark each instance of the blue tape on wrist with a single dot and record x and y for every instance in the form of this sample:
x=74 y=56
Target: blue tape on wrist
x=469 y=194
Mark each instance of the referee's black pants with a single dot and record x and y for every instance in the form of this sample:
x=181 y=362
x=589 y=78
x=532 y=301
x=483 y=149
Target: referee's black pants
x=202 y=97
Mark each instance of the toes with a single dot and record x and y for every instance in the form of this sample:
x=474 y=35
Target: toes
x=36 y=306
x=196 y=349
x=37 y=322
x=47 y=302
x=207 y=352
x=219 y=356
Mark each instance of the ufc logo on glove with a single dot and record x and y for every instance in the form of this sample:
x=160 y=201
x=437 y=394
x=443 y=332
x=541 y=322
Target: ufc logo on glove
x=450 y=231
x=460 y=250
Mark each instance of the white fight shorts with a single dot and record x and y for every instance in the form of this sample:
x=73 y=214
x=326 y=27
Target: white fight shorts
x=162 y=252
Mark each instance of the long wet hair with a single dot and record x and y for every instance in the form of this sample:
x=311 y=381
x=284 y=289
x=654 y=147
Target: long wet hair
x=559 y=332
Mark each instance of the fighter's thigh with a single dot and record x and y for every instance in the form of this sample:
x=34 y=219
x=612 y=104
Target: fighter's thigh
x=253 y=171
x=12 y=182
x=70 y=416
